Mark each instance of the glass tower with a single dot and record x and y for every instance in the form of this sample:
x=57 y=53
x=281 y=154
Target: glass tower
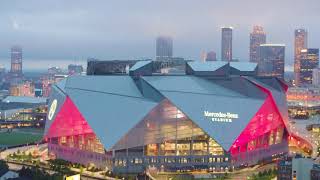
x=226 y=44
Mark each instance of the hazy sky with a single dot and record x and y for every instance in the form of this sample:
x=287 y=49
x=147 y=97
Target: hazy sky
x=118 y=29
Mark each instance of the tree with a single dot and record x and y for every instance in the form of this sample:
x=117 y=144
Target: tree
x=3 y=166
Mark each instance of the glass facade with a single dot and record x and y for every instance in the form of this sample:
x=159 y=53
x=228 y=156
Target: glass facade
x=166 y=131
x=309 y=60
x=226 y=44
x=271 y=61
x=265 y=129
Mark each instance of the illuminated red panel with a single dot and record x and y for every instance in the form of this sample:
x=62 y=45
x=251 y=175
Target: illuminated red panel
x=266 y=121
x=68 y=121
x=259 y=128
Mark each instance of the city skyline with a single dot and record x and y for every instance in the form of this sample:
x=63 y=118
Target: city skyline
x=60 y=30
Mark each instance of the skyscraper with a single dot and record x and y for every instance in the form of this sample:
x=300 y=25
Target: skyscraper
x=316 y=77
x=309 y=60
x=74 y=69
x=226 y=44
x=300 y=42
x=271 y=60
x=211 y=56
x=257 y=37
x=164 y=48
x=16 y=64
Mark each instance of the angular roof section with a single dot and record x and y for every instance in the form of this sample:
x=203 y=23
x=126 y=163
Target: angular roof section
x=189 y=84
x=61 y=84
x=277 y=91
x=139 y=64
x=240 y=85
x=104 y=101
x=120 y=85
x=110 y=116
x=244 y=66
x=207 y=66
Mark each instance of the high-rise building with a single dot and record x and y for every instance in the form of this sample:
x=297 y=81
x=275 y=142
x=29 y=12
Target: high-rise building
x=23 y=89
x=300 y=42
x=203 y=56
x=316 y=77
x=226 y=44
x=257 y=37
x=211 y=56
x=74 y=69
x=16 y=64
x=309 y=60
x=271 y=61
x=54 y=70
x=164 y=48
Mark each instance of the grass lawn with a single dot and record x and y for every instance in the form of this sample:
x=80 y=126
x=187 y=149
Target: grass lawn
x=20 y=137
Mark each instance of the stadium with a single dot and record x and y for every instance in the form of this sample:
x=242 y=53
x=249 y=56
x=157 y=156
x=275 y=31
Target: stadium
x=214 y=117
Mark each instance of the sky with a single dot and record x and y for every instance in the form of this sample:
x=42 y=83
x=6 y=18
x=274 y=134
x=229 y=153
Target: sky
x=60 y=31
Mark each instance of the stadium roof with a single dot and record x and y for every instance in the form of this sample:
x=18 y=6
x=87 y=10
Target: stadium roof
x=139 y=64
x=244 y=66
x=207 y=66
x=112 y=105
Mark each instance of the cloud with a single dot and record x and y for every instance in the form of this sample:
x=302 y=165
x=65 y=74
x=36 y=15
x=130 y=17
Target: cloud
x=126 y=29
x=15 y=25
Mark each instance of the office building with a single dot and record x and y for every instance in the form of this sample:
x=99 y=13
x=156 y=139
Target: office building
x=164 y=48
x=16 y=65
x=226 y=44
x=309 y=60
x=300 y=42
x=257 y=37
x=211 y=56
x=316 y=77
x=74 y=69
x=296 y=168
x=271 y=61
x=22 y=89
x=134 y=122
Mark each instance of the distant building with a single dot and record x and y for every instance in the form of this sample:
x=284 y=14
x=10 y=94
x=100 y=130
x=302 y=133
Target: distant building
x=203 y=56
x=316 y=77
x=309 y=60
x=296 y=168
x=2 y=75
x=120 y=67
x=47 y=82
x=211 y=56
x=315 y=172
x=74 y=69
x=16 y=65
x=54 y=71
x=21 y=108
x=226 y=44
x=23 y=89
x=164 y=48
x=300 y=42
x=257 y=37
x=303 y=101
x=271 y=61
x=104 y=67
